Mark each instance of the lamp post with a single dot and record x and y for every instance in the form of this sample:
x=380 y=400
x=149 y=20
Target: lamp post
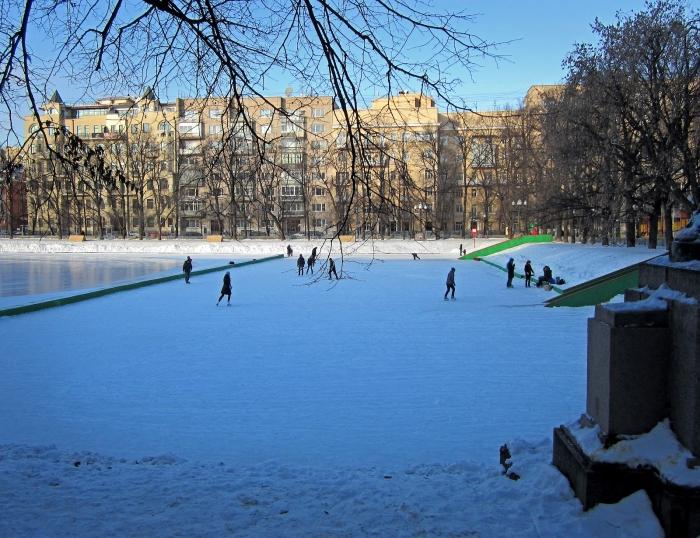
x=517 y=206
x=420 y=207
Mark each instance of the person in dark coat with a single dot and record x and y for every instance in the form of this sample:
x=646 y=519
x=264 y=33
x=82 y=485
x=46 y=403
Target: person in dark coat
x=546 y=277
x=300 y=265
x=187 y=269
x=510 y=267
x=528 y=273
x=450 y=283
x=226 y=289
x=289 y=251
x=310 y=263
x=415 y=256
x=313 y=253
x=331 y=269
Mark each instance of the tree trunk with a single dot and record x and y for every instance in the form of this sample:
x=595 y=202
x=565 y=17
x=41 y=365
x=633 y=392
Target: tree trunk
x=668 y=224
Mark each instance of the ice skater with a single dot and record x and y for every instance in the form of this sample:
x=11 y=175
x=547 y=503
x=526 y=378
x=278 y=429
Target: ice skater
x=310 y=263
x=289 y=251
x=415 y=256
x=450 y=284
x=331 y=269
x=528 y=273
x=226 y=289
x=300 y=265
x=187 y=269
x=510 y=267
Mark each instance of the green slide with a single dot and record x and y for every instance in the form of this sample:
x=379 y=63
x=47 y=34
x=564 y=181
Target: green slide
x=505 y=245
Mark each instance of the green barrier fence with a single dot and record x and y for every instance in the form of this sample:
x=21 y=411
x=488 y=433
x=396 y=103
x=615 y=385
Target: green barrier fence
x=599 y=290
x=34 y=307
x=505 y=245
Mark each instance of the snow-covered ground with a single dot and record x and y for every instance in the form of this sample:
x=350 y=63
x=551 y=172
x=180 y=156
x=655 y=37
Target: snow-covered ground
x=367 y=406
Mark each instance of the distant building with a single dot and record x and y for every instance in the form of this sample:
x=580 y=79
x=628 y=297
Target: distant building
x=192 y=168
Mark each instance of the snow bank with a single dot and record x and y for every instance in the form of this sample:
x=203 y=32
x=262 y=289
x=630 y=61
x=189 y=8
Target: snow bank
x=246 y=247
x=46 y=492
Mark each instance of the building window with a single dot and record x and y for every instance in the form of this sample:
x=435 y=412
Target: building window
x=459 y=208
x=458 y=226
x=134 y=129
x=318 y=208
x=150 y=203
x=318 y=128
x=319 y=223
x=291 y=190
x=215 y=129
x=291 y=158
x=318 y=112
x=164 y=127
x=150 y=222
x=473 y=193
x=319 y=191
x=265 y=112
x=483 y=153
x=145 y=127
x=215 y=113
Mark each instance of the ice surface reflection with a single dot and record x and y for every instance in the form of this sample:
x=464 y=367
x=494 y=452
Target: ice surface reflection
x=40 y=274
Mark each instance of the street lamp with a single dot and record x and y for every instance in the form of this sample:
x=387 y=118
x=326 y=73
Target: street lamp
x=420 y=207
x=519 y=204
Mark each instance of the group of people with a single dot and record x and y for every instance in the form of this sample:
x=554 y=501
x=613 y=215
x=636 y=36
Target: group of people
x=310 y=262
x=225 y=289
x=545 y=278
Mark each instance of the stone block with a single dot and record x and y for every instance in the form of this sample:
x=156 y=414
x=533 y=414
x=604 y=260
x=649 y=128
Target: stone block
x=684 y=374
x=630 y=317
x=677 y=507
x=627 y=376
x=652 y=275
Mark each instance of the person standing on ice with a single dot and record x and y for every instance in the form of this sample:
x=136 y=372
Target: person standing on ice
x=510 y=267
x=450 y=284
x=187 y=269
x=289 y=251
x=300 y=265
x=310 y=264
x=528 y=273
x=226 y=289
x=331 y=269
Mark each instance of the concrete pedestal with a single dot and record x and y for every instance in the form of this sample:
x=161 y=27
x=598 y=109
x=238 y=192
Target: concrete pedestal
x=627 y=370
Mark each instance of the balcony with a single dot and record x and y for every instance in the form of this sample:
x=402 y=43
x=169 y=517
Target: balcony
x=190 y=130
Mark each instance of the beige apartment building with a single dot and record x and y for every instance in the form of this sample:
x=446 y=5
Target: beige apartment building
x=276 y=166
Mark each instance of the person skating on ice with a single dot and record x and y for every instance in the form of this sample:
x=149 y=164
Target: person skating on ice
x=450 y=284
x=300 y=265
x=331 y=269
x=187 y=269
x=226 y=289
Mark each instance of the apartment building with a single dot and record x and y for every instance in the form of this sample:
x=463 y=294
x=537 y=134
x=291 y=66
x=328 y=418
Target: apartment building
x=272 y=166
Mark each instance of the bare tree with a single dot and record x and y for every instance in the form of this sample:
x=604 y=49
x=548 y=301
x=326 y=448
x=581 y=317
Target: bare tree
x=233 y=49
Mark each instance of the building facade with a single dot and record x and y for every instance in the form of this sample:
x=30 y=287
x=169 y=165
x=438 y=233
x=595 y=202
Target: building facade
x=278 y=166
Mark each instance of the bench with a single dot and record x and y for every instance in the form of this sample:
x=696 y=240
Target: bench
x=76 y=237
x=215 y=239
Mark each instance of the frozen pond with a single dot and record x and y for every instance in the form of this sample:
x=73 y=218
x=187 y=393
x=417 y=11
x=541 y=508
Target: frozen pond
x=374 y=370
x=42 y=274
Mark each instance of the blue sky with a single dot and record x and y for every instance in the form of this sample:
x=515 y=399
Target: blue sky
x=538 y=34
x=543 y=33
